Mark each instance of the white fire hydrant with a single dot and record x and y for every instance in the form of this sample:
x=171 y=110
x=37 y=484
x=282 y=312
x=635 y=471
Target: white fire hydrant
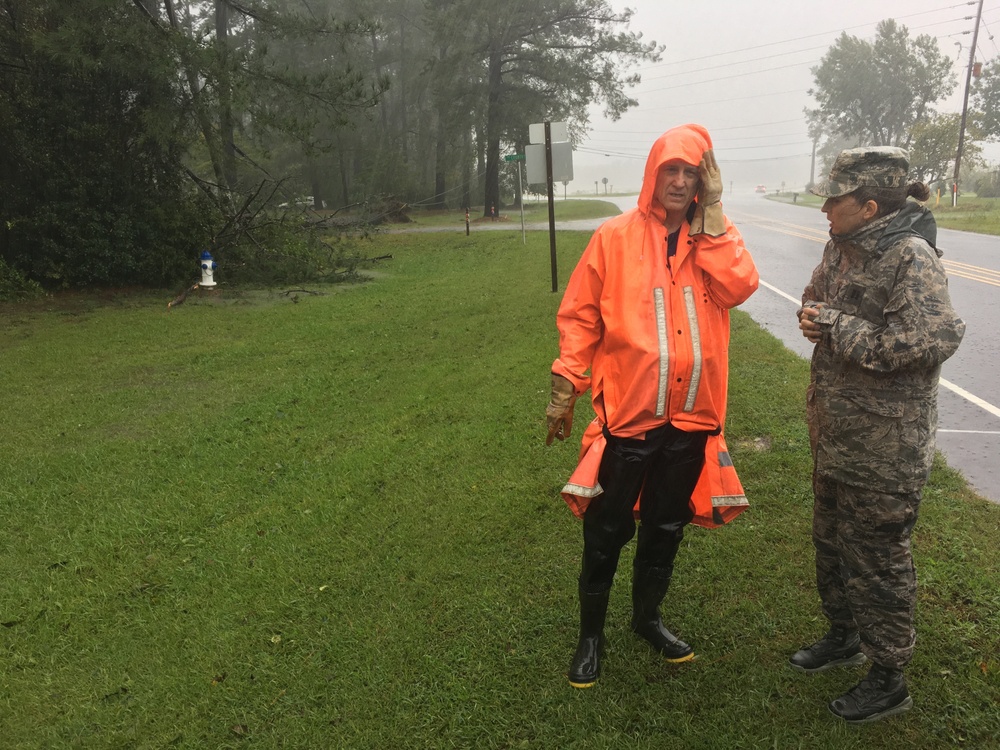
x=208 y=267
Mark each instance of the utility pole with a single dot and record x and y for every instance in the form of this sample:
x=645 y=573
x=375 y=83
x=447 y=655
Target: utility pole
x=965 y=105
x=812 y=164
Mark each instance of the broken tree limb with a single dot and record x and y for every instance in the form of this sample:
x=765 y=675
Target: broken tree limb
x=179 y=299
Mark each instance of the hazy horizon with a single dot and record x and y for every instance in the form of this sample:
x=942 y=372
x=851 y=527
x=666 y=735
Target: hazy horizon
x=746 y=79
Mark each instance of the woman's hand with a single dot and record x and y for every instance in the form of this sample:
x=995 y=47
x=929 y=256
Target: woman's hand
x=807 y=324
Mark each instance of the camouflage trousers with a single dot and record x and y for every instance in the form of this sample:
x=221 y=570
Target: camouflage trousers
x=864 y=566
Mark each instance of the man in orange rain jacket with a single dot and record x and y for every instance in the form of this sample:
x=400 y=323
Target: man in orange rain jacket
x=646 y=311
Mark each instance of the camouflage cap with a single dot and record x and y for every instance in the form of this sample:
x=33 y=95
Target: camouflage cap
x=871 y=166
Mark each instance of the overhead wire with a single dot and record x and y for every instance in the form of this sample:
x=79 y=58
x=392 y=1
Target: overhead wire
x=687 y=83
x=992 y=39
x=756 y=48
x=735 y=127
x=720 y=155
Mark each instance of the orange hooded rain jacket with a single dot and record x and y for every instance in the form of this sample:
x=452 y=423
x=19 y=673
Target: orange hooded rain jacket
x=654 y=334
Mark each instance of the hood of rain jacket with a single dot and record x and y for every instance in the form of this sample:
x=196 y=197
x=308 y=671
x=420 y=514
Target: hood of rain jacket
x=912 y=219
x=685 y=142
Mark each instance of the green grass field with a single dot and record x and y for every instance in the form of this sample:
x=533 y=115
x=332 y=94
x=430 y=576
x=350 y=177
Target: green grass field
x=534 y=211
x=330 y=521
x=972 y=214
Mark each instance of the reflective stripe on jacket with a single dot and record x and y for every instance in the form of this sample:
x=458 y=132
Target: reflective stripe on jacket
x=717 y=499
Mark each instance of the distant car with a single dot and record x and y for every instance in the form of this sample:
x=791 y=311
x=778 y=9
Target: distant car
x=760 y=189
x=302 y=202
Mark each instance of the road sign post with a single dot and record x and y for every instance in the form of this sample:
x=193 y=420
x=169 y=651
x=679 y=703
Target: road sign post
x=549 y=157
x=520 y=191
x=552 y=203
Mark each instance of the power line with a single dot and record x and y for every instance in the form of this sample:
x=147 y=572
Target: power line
x=991 y=38
x=743 y=62
x=744 y=73
x=812 y=36
x=727 y=102
x=747 y=138
x=756 y=125
x=720 y=156
x=651 y=135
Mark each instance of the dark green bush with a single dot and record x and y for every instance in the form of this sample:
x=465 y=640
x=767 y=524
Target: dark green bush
x=988 y=187
x=14 y=286
x=93 y=146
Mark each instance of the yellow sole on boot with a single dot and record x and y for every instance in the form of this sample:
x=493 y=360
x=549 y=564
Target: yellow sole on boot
x=689 y=657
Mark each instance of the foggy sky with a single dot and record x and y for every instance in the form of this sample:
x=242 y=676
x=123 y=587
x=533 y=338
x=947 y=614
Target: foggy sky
x=742 y=69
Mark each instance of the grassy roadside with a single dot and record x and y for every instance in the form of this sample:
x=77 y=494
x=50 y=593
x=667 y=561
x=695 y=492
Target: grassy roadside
x=972 y=214
x=329 y=520
x=534 y=211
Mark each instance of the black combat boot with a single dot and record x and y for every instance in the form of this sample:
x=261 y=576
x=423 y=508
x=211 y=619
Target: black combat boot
x=880 y=695
x=648 y=591
x=586 y=665
x=840 y=647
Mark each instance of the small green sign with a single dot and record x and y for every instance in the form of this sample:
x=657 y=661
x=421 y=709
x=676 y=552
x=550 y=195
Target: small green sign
x=514 y=157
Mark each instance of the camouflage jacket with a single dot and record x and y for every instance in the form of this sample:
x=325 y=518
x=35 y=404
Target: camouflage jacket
x=887 y=325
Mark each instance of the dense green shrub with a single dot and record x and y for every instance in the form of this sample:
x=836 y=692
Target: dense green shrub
x=94 y=190
x=14 y=286
x=988 y=187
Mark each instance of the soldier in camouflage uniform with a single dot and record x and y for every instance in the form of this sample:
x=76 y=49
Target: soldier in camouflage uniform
x=877 y=308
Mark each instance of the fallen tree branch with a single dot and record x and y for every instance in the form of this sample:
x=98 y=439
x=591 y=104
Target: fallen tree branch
x=179 y=299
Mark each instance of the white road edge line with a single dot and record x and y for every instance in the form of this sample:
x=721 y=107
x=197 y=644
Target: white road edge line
x=971 y=398
x=780 y=293
x=958 y=390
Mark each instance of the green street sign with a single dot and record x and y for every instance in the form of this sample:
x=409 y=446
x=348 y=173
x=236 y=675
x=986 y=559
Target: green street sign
x=514 y=157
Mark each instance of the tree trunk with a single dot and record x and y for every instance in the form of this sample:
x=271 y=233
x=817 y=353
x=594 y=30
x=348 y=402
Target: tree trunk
x=345 y=195
x=383 y=117
x=493 y=115
x=200 y=113
x=404 y=125
x=226 y=127
x=440 y=155
x=317 y=185
x=467 y=170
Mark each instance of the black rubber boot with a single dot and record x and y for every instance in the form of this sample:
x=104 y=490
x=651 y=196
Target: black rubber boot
x=586 y=665
x=878 y=696
x=648 y=591
x=840 y=647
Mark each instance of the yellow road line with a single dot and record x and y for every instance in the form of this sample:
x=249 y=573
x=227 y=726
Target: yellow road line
x=972 y=277
x=957 y=268
x=784 y=227
x=954 y=268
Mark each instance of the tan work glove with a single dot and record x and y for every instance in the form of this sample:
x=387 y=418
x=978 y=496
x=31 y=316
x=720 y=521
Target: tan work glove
x=559 y=413
x=708 y=218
